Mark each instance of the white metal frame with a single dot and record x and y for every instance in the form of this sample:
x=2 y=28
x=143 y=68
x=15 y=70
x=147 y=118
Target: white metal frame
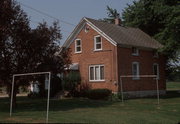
x=157 y=65
x=38 y=73
x=127 y=76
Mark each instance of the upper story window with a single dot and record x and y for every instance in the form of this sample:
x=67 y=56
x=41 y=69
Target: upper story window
x=156 y=70
x=78 y=46
x=155 y=54
x=96 y=73
x=135 y=51
x=135 y=70
x=97 y=43
x=86 y=29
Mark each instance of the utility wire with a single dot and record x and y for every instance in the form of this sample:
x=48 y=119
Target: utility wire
x=35 y=22
x=47 y=15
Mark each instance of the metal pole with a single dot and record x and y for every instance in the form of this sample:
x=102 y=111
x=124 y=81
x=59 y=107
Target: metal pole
x=121 y=90
x=12 y=92
x=47 y=115
x=157 y=83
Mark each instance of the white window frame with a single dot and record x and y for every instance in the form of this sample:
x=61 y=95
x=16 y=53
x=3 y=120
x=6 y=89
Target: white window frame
x=137 y=51
x=94 y=73
x=95 y=43
x=155 y=54
x=136 y=77
x=157 y=69
x=78 y=45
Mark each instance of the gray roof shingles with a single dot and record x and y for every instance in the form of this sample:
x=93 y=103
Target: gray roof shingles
x=121 y=35
x=126 y=35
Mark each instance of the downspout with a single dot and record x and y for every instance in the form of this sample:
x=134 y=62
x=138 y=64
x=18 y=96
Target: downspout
x=116 y=60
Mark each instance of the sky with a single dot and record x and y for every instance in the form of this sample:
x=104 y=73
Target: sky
x=69 y=11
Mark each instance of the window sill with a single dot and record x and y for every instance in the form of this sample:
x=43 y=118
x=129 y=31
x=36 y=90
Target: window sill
x=96 y=80
x=78 y=52
x=96 y=50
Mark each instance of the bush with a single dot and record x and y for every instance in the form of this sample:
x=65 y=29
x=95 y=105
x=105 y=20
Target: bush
x=97 y=94
x=71 y=82
x=82 y=89
x=116 y=97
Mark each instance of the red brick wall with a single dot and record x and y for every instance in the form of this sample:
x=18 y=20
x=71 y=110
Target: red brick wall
x=146 y=61
x=113 y=68
x=89 y=57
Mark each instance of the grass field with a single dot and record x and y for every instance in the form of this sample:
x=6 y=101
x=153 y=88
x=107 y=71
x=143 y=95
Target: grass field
x=173 y=85
x=134 y=111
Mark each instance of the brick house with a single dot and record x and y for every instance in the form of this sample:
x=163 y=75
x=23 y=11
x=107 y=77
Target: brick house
x=102 y=52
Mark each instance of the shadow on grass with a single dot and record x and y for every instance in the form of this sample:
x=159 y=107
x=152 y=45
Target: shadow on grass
x=171 y=94
x=27 y=104
x=168 y=95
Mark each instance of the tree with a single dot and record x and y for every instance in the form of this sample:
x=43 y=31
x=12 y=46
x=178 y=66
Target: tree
x=112 y=14
x=161 y=20
x=25 y=50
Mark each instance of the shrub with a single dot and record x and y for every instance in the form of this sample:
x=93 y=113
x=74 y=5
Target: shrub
x=97 y=94
x=71 y=82
x=82 y=89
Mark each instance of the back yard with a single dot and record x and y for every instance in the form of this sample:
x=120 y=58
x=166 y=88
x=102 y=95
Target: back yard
x=141 y=111
x=173 y=85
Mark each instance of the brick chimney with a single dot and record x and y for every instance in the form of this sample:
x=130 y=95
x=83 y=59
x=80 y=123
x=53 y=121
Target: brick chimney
x=117 y=21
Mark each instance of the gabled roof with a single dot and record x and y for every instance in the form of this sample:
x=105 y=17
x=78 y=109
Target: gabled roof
x=116 y=34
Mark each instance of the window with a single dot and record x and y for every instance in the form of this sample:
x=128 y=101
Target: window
x=97 y=43
x=78 y=48
x=86 y=29
x=155 y=54
x=135 y=70
x=135 y=51
x=156 y=70
x=96 y=73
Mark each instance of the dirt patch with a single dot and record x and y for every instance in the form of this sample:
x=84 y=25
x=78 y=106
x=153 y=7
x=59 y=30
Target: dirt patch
x=6 y=95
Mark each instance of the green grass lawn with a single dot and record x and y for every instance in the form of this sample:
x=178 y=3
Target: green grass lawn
x=173 y=85
x=134 y=111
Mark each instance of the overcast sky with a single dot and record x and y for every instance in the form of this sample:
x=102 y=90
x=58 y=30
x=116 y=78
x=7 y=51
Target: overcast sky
x=70 y=11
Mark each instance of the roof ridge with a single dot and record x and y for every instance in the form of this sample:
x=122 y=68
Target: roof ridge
x=104 y=22
x=115 y=34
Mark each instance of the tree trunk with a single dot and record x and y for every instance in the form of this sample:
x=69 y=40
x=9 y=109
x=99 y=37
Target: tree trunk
x=14 y=104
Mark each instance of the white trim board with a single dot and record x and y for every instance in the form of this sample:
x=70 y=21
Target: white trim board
x=101 y=32
x=80 y=26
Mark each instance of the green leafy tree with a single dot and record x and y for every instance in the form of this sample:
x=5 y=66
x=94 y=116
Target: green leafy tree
x=112 y=14
x=25 y=50
x=160 y=19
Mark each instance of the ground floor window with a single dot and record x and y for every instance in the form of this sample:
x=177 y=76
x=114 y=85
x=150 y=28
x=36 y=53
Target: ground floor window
x=96 y=73
x=135 y=70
